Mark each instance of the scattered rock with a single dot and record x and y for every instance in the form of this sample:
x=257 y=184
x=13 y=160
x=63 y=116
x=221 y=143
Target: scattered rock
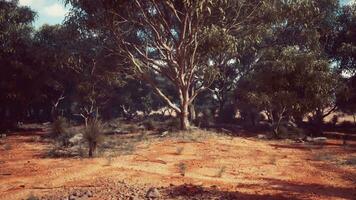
x=153 y=193
x=164 y=133
x=262 y=136
x=112 y=125
x=72 y=197
x=309 y=139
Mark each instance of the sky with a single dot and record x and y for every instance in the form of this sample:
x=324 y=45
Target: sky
x=53 y=11
x=48 y=11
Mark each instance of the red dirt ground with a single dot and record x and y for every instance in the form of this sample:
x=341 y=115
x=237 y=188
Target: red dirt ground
x=254 y=169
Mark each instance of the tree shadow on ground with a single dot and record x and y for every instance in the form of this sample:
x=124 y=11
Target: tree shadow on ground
x=282 y=190
x=188 y=191
x=323 y=191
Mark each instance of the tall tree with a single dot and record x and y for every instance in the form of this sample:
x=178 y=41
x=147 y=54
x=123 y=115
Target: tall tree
x=161 y=38
x=16 y=73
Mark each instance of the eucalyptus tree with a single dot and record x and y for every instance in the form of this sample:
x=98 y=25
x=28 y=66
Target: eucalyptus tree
x=340 y=42
x=289 y=83
x=161 y=39
x=16 y=73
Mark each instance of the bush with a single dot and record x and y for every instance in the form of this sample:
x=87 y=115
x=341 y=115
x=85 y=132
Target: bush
x=93 y=134
x=149 y=125
x=227 y=114
x=173 y=124
x=60 y=132
x=182 y=167
x=59 y=126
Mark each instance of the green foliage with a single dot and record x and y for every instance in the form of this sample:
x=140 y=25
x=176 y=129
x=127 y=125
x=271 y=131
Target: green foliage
x=288 y=83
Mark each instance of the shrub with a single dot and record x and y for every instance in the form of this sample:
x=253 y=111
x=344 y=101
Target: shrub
x=173 y=124
x=60 y=132
x=59 y=126
x=149 y=125
x=93 y=134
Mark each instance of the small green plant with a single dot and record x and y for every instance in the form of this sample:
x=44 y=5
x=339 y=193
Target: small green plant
x=182 y=167
x=179 y=150
x=93 y=135
x=221 y=171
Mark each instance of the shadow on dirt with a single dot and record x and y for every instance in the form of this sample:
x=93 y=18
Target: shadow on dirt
x=199 y=192
x=284 y=190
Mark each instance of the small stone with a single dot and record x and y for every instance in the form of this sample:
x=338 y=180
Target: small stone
x=153 y=193
x=261 y=136
x=309 y=139
x=72 y=197
x=320 y=140
x=164 y=133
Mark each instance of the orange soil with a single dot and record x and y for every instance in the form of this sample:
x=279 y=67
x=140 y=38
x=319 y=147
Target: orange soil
x=253 y=168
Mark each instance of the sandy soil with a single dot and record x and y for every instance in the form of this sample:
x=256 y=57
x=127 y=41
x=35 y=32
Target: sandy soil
x=216 y=168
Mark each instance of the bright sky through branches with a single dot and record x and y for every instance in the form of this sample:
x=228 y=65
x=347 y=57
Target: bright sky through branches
x=53 y=11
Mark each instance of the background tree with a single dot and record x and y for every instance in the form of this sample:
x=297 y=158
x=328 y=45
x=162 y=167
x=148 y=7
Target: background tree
x=16 y=74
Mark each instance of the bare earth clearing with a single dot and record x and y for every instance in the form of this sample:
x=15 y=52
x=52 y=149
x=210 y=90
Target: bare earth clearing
x=249 y=169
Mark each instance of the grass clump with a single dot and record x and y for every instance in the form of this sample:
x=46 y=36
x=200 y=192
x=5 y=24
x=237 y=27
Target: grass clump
x=221 y=171
x=179 y=150
x=94 y=135
x=60 y=132
x=182 y=168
